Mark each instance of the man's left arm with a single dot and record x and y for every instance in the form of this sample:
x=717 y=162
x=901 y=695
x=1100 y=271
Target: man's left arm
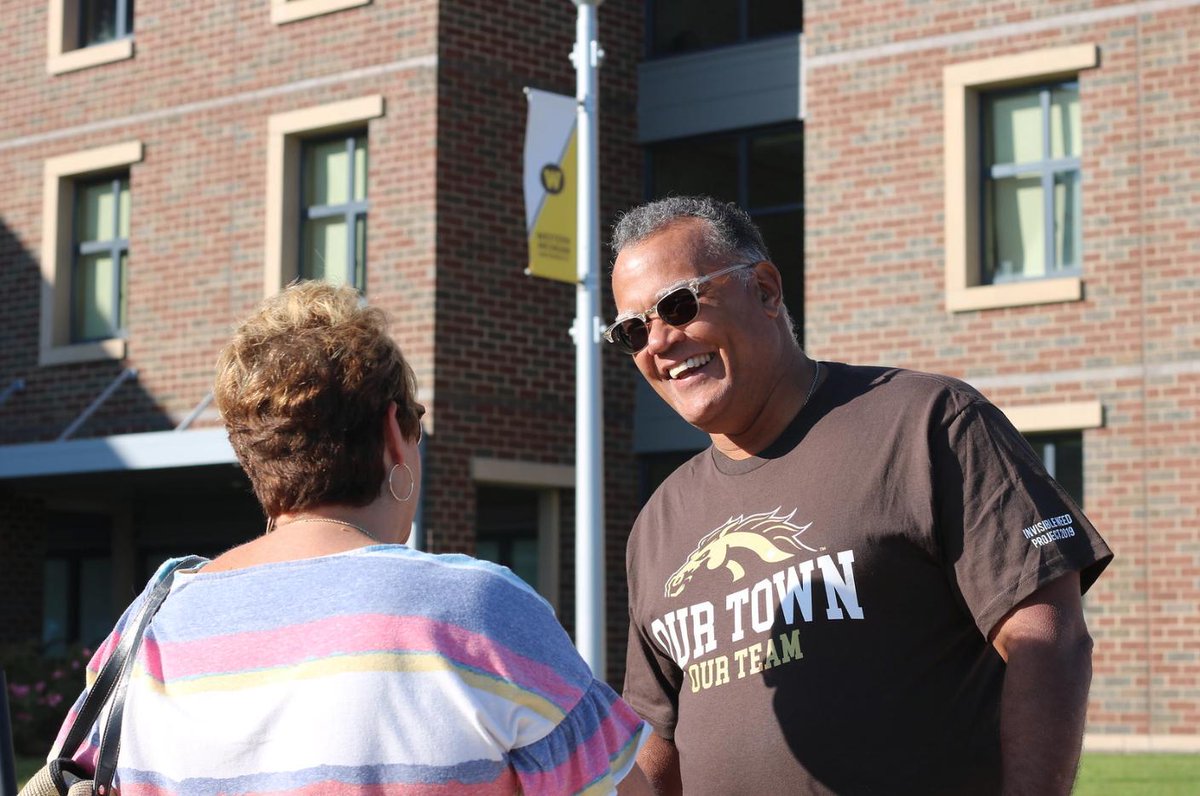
x=1045 y=644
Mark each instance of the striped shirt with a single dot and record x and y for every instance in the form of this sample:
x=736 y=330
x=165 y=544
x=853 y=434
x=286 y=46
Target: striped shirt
x=381 y=670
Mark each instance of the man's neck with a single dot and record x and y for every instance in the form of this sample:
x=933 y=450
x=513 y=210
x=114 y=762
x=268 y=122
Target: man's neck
x=788 y=397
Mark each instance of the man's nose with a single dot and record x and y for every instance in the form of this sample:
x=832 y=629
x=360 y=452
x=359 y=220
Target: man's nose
x=661 y=335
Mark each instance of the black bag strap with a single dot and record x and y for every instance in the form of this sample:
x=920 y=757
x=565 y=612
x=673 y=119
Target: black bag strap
x=111 y=683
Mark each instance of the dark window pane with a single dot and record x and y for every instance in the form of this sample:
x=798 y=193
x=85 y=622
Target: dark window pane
x=687 y=168
x=1062 y=455
x=770 y=17
x=686 y=25
x=99 y=22
x=776 y=169
x=506 y=529
x=784 y=236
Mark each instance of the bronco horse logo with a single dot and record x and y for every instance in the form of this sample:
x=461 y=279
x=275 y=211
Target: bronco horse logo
x=771 y=536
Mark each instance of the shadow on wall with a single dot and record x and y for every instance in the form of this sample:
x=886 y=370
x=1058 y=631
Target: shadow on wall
x=44 y=403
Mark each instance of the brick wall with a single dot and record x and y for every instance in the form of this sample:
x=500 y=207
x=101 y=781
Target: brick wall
x=875 y=271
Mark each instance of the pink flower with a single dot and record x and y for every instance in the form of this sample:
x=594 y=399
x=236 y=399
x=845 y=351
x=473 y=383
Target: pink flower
x=53 y=700
x=18 y=690
x=39 y=686
x=57 y=674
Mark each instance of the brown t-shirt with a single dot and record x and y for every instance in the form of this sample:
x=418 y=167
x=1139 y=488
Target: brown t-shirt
x=814 y=619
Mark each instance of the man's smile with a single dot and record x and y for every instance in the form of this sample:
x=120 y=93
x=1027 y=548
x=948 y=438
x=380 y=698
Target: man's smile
x=690 y=364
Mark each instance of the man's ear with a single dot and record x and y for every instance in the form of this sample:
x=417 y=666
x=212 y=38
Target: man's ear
x=769 y=284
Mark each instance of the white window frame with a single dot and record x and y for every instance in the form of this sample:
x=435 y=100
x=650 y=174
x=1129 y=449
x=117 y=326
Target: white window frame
x=961 y=86
x=60 y=174
x=285 y=134
x=63 y=54
x=284 y=11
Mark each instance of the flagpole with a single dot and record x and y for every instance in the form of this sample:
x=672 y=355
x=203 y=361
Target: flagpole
x=589 y=442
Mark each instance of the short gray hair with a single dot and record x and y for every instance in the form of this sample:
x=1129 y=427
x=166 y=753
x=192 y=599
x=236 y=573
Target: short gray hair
x=729 y=232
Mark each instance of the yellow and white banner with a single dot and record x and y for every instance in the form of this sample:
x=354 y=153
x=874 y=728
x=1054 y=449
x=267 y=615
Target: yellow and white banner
x=550 y=185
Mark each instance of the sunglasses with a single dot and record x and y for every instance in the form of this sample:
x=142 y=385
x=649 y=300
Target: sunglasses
x=680 y=305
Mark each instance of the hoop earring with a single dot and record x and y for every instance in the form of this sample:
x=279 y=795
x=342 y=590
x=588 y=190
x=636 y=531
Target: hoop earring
x=412 y=482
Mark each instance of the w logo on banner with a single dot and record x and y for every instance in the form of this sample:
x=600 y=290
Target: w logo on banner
x=550 y=193
x=553 y=179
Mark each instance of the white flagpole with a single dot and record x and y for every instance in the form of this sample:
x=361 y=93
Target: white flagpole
x=589 y=441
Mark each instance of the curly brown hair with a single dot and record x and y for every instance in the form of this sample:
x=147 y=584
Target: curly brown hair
x=303 y=387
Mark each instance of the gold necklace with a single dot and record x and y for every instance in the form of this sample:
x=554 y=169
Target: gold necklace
x=332 y=521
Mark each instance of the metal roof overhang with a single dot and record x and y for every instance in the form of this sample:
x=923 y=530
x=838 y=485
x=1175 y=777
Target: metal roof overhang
x=155 y=450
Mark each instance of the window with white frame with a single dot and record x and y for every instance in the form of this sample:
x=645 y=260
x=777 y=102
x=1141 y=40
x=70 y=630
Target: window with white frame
x=87 y=33
x=1013 y=141
x=1031 y=201
x=316 y=204
x=101 y=258
x=333 y=244
x=86 y=221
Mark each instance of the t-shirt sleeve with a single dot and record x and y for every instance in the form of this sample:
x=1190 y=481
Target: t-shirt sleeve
x=1007 y=528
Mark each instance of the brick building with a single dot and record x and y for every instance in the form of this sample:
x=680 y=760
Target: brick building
x=1000 y=191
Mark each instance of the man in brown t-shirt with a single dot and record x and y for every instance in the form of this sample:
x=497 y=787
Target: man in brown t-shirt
x=868 y=584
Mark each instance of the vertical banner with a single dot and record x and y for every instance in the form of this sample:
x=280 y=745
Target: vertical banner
x=550 y=185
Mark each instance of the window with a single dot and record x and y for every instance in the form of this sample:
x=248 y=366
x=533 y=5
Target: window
x=291 y=10
x=103 y=21
x=1055 y=431
x=333 y=242
x=1013 y=141
x=317 y=193
x=761 y=170
x=85 y=253
x=517 y=518
x=101 y=247
x=87 y=33
x=1062 y=454
x=506 y=529
x=679 y=26
x=77 y=604
x=1031 y=143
